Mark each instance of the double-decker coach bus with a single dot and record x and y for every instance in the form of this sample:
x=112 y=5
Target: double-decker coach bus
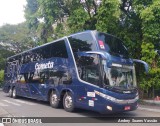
x=90 y=70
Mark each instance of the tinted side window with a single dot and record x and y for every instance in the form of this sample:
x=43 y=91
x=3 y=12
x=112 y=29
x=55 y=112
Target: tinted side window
x=88 y=69
x=37 y=55
x=58 y=49
x=26 y=58
x=82 y=42
x=45 y=51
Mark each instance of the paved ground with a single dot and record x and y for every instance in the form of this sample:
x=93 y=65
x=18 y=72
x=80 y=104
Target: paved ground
x=23 y=107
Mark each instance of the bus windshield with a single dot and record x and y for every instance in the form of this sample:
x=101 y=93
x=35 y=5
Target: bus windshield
x=120 y=78
x=112 y=45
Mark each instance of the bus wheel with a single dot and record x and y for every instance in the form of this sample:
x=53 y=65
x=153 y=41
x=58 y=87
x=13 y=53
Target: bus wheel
x=68 y=103
x=10 y=92
x=14 y=93
x=54 y=102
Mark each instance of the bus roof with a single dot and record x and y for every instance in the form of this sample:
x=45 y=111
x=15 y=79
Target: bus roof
x=48 y=43
x=87 y=31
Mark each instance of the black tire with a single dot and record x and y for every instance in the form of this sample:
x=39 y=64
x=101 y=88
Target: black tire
x=68 y=102
x=53 y=99
x=10 y=92
x=14 y=93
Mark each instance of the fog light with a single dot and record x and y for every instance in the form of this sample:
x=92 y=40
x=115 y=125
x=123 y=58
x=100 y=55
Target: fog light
x=109 y=108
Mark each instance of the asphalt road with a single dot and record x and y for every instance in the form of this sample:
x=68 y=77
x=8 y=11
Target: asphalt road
x=23 y=107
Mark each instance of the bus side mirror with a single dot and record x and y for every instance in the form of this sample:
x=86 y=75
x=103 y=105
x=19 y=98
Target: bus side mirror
x=89 y=57
x=146 y=66
x=90 y=53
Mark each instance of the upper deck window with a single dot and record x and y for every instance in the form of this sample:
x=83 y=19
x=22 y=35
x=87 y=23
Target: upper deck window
x=82 y=42
x=56 y=49
x=112 y=45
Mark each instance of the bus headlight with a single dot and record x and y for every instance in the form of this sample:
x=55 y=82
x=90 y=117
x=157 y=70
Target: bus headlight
x=109 y=108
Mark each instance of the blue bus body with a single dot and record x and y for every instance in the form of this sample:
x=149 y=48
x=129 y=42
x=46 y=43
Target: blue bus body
x=82 y=68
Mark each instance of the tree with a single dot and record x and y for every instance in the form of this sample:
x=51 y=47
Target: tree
x=76 y=22
x=3 y=56
x=1 y=77
x=151 y=42
x=47 y=14
x=50 y=14
x=30 y=13
x=108 y=16
x=15 y=37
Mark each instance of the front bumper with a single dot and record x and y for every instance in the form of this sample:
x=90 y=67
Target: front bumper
x=111 y=107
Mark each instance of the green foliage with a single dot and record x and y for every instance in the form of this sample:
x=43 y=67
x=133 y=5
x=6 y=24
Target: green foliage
x=42 y=16
x=30 y=13
x=149 y=13
x=76 y=21
x=15 y=37
x=148 y=52
x=108 y=15
x=3 y=55
x=151 y=23
x=151 y=80
x=61 y=30
x=1 y=77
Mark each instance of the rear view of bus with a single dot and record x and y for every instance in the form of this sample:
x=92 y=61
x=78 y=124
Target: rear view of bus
x=106 y=73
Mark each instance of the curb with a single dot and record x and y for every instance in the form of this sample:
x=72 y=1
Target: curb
x=152 y=102
x=148 y=109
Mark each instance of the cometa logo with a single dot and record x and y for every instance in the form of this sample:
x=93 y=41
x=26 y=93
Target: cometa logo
x=44 y=65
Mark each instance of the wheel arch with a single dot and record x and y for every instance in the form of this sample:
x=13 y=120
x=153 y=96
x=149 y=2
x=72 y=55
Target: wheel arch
x=50 y=91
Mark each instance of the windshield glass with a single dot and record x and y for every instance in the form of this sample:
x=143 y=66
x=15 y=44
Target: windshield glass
x=121 y=78
x=112 y=45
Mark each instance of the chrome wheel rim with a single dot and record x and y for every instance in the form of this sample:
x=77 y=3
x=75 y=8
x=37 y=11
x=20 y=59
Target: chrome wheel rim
x=68 y=101
x=14 y=92
x=54 y=99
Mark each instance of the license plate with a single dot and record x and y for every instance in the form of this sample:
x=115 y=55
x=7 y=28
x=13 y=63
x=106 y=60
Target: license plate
x=127 y=108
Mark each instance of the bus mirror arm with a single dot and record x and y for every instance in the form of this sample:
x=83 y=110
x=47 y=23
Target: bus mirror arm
x=98 y=53
x=146 y=66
